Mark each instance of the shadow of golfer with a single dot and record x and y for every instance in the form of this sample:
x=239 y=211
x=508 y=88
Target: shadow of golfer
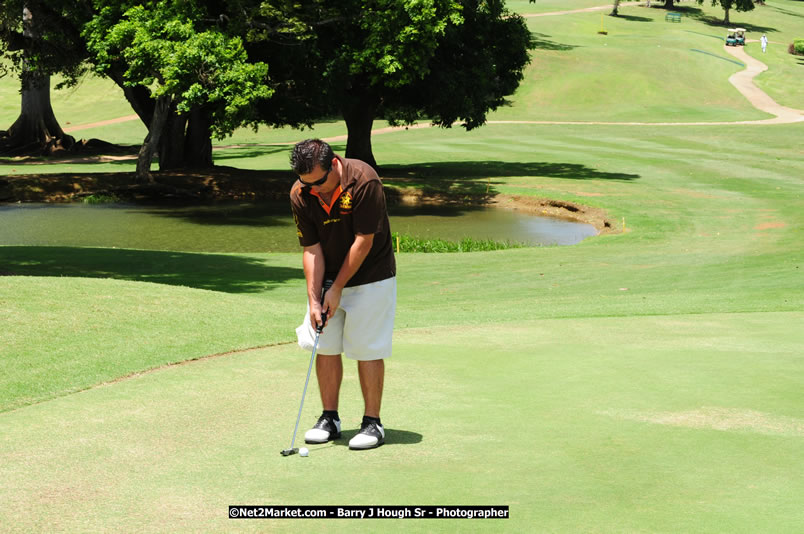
x=392 y=437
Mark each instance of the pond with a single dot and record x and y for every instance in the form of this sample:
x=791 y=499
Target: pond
x=254 y=226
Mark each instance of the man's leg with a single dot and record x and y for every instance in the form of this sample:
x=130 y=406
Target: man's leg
x=329 y=371
x=372 y=434
x=372 y=375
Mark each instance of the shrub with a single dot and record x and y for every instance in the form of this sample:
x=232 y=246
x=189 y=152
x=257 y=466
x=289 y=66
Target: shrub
x=412 y=244
x=797 y=47
x=100 y=198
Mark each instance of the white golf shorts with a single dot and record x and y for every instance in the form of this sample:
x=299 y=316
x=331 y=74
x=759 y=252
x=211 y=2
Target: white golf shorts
x=362 y=325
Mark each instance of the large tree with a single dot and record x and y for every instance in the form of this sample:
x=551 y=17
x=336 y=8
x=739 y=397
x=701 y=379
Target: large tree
x=377 y=47
x=187 y=71
x=39 y=39
x=728 y=5
x=437 y=60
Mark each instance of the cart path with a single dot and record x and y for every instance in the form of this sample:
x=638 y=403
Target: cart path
x=582 y=10
x=100 y=123
x=744 y=82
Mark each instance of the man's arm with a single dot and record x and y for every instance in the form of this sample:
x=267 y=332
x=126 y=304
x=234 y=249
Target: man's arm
x=354 y=259
x=313 y=262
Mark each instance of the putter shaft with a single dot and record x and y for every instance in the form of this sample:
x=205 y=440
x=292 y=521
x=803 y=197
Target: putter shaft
x=304 y=394
x=318 y=330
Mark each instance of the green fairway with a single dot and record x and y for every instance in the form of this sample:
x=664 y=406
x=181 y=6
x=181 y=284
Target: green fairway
x=645 y=380
x=656 y=423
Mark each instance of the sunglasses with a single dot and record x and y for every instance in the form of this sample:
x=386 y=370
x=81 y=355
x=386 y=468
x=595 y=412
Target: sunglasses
x=317 y=182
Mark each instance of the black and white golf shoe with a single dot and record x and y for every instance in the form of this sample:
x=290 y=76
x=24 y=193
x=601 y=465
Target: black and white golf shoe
x=325 y=429
x=371 y=435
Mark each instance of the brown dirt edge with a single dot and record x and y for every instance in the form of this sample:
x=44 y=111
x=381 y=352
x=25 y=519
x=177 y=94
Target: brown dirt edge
x=228 y=183
x=560 y=209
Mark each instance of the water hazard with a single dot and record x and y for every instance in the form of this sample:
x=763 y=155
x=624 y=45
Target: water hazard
x=253 y=227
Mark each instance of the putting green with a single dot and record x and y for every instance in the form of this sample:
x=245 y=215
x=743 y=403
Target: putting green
x=677 y=422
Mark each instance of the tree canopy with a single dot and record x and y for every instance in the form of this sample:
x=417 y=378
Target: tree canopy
x=436 y=60
x=728 y=5
x=193 y=68
x=202 y=67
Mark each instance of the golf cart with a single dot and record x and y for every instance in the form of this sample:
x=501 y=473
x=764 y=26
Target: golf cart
x=735 y=37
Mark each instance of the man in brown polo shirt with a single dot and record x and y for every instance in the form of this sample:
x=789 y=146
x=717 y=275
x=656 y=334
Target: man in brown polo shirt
x=342 y=223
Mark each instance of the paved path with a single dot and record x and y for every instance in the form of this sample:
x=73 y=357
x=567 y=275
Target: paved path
x=744 y=82
x=582 y=10
x=101 y=123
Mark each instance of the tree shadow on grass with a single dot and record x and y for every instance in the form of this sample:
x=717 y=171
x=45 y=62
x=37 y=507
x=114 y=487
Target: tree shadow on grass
x=634 y=18
x=718 y=22
x=473 y=172
x=689 y=11
x=539 y=42
x=214 y=272
x=470 y=185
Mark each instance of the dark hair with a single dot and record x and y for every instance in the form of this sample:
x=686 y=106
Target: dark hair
x=307 y=153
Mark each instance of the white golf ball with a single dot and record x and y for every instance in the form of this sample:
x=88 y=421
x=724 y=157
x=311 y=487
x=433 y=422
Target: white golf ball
x=303 y=451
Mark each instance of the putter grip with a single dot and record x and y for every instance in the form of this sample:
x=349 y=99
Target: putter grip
x=327 y=285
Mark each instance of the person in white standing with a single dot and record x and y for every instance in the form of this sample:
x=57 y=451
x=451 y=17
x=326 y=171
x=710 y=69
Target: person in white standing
x=764 y=41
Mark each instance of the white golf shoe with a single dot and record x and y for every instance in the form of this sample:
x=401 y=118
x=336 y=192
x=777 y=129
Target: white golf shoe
x=371 y=435
x=325 y=429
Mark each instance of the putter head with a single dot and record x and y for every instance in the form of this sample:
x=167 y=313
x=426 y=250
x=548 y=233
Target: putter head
x=288 y=452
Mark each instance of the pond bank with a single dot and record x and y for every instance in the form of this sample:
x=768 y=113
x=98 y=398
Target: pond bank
x=227 y=183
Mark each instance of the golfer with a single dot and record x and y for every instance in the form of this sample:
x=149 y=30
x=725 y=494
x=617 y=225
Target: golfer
x=342 y=223
x=764 y=42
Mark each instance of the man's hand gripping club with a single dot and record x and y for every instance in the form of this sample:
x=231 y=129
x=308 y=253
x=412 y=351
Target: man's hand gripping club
x=320 y=316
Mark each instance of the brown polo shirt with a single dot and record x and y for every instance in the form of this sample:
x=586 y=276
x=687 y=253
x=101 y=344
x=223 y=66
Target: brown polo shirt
x=357 y=207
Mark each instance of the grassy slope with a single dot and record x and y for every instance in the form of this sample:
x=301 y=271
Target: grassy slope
x=656 y=71
x=544 y=341
x=555 y=357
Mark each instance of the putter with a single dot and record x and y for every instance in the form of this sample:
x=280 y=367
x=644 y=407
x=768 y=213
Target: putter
x=290 y=450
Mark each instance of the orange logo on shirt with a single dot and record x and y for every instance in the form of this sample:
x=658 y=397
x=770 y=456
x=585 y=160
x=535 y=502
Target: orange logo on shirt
x=346 y=201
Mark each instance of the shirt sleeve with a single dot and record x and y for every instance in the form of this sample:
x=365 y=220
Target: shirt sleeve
x=305 y=228
x=369 y=208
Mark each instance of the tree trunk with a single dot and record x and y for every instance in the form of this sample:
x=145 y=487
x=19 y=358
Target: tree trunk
x=198 y=140
x=668 y=4
x=36 y=129
x=171 y=144
x=138 y=96
x=151 y=143
x=359 y=116
x=616 y=8
x=186 y=141
x=726 y=20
